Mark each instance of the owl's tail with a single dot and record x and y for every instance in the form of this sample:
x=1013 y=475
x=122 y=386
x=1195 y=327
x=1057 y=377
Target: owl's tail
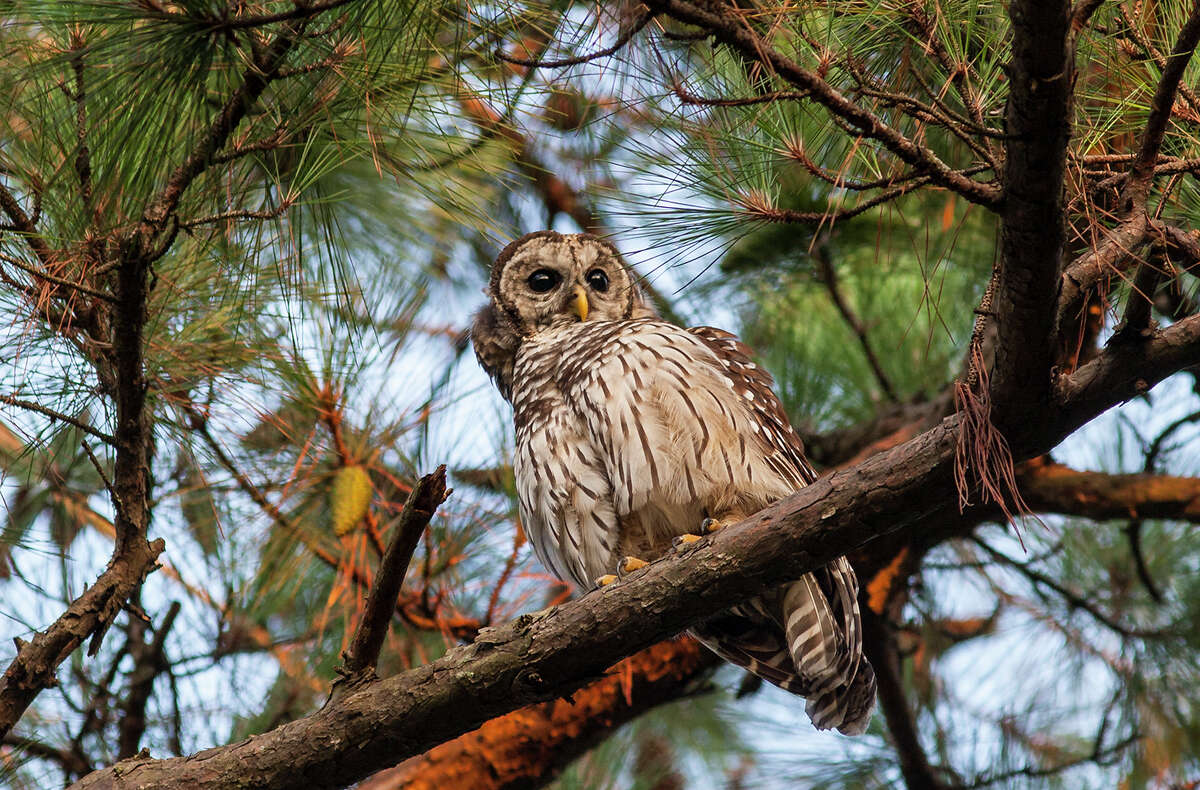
x=823 y=630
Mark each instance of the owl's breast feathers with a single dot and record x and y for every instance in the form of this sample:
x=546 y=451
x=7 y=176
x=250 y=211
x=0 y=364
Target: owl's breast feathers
x=630 y=433
x=677 y=424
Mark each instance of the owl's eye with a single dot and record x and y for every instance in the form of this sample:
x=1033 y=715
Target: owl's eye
x=598 y=280
x=543 y=280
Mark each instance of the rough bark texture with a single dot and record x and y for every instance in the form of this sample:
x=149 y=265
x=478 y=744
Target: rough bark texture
x=543 y=656
x=1032 y=229
x=528 y=747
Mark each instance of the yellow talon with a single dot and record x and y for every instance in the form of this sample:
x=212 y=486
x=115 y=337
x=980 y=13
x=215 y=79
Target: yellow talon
x=710 y=525
x=606 y=580
x=686 y=541
x=630 y=564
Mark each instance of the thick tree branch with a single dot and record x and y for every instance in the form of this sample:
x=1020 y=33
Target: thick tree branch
x=1049 y=487
x=1032 y=233
x=543 y=656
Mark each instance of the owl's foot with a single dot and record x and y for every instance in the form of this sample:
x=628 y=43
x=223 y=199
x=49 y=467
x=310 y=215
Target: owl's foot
x=688 y=541
x=625 y=567
x=629 y=565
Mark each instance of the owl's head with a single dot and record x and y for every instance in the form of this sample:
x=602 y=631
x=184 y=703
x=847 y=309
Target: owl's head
x=547 y=280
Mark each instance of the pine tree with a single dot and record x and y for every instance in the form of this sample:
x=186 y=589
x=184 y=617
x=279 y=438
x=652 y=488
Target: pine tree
x=240 y=243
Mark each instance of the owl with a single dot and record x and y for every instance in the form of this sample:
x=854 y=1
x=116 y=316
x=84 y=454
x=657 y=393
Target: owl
x=635 y=436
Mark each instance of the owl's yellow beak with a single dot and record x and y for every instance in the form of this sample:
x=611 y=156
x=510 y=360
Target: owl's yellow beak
x=580 y=303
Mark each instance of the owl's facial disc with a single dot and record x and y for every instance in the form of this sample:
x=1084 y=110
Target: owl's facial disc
x=549 y=280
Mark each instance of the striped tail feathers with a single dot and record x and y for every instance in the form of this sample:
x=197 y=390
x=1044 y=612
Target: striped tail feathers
x=837 y=682
x=824 y=636
x=748 y=637
x=858 y=701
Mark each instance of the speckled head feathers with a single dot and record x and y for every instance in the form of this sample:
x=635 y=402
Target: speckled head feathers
x=544 y=281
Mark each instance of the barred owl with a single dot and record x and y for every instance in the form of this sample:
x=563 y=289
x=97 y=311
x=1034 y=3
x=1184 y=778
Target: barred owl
x=634 y=434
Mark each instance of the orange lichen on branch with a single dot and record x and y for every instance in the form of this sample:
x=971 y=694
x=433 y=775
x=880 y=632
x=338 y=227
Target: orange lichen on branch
x=537 y=741
x=879 y=589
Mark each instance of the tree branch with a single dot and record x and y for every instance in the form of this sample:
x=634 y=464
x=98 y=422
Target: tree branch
x=1054 y=488
x=1137 y=187
x=45 y=411
x=731 y=30
x=424 y=499
x=828 y=276
x=539 y=657
x=879 y=644
x=149 y=661
x=1032 y=232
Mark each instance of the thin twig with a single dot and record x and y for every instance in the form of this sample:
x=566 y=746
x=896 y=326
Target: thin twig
x=116 y=497
x=766 y=98
x=221 y=24
x=828 y=277
x=623 y=39
x=424 y=499
x=55 y=415
x=1073 y=600
x=50 y=278
x=1134 y=533
x=240 y=214
x=769 y=213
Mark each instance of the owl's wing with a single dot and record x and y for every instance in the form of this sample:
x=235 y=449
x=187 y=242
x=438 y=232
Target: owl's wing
x=820 y=655
x=756 y=387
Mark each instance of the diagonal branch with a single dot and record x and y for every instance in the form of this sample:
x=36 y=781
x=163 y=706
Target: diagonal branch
x=879 y=643
x=540 y=657
x=731 y=30
x=828 y=277
x=424 y=499
x=1137 y=188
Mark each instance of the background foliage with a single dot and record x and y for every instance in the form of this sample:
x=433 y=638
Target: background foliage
x=306 y=322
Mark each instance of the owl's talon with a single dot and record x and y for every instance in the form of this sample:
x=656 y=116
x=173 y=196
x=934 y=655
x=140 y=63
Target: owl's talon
x=629 y=565
x=606 y=580
x=686 y=542
x=710 y=525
